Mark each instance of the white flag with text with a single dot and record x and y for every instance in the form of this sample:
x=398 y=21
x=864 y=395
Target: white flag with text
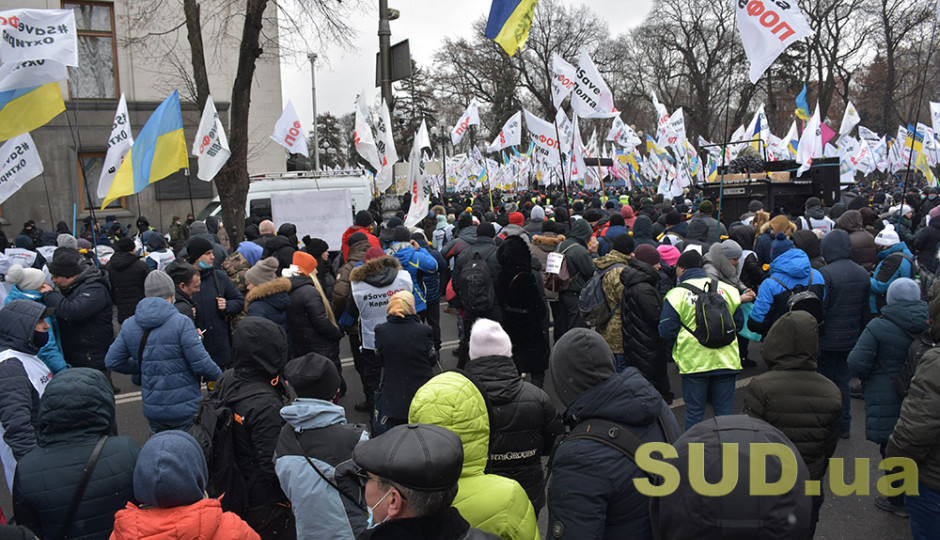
x=563 y=79
x=810 y=143
x=471 y=117
x=767 y=29
x=288 y=132
x=362 y=134
x=510 y=135
x=849 y=120
x=36 y=34
x=418 y=187
x=211 y=145
x=119 y=144
x=21 y=164
x=29 y=73
x=591 y=97
x=385 y=147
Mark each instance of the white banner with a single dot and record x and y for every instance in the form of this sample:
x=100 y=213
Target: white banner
x=36 y=34
x=767 y=28
x=21 y=164
x=385 y=147
x=623 y=134
x=576 y=160
x=544 y=136
x=211 y=145
x=565 y=130
x=849 y=120
x=418 y=187
x=675 y=128
x=119 y=144
x=868 y=134
x=321 y=214
x=471 y=117
x=810 y=143
x=510 y=135
x=362 y=136
x=288 y=132
x=29 y=73
x=591 y=97
x=563 y=79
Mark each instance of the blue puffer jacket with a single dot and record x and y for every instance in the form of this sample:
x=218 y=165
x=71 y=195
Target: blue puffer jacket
x=878 y=356
x=174 y=360
x=432 y=282
x=590 y=491
x=270 y=301
x=51 y=352
x=792 y=268
x=846 y=294
x=888 y=269
x=413 y=260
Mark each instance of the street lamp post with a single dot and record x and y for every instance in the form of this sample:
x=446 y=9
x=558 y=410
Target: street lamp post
x=385 y=68
x=313 y=86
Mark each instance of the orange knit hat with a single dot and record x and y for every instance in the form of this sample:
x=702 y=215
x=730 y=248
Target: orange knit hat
x=305 y=262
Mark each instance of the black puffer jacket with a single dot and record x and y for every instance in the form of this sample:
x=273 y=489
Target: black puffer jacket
x=19 y=400
x=310 y=327
x=404 y=346
x=127 y=274
x=925 y=245
x=83 y=310
x=846 y=301
x=523 y=424
x=259 y=350
x=214 y=323
x=281 y=248
x=77 y=409
x=639 y=312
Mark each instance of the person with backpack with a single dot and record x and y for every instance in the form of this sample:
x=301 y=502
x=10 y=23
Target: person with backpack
x=170 y=480
x=701 y=319
x=792 y=397
x=162 y=347
x=603 y=294
x=791 y=283
x=126 y=273
x=216 y=301
x=578 y=251
x=894 y=261
x=474 y=281
x=591 y=491
x=434 y=283
x=255 y=393
x=616 y=227
x=311 y=322
x=879 y=356
x=815 y=218
x=845 y=308
x=313 y=447
x=413 y=259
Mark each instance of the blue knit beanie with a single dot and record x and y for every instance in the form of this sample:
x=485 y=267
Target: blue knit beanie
x=780 y=245
x=903 y=290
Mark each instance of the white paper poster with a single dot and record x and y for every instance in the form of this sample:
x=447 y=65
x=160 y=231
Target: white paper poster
x=324 y=214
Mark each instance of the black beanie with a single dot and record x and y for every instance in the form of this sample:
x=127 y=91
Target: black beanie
x=313 y=376
x=673 y=218
x=125 y=245
x=624 y=243
x=486 y=229
x=689 y=259
x=355 y=238
x=363 y=219
x=465 y=220
x=401 y=234
x=197 y=247
x=616 y=219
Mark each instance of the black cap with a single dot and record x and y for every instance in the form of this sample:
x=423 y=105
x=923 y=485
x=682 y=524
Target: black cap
x=422 y=457
x=125 y=245
x=66 y=262
x=313 y=376
x=690 y=259
x=592 y=215
x=363 y=218
x=355 y=238
x=486 y=230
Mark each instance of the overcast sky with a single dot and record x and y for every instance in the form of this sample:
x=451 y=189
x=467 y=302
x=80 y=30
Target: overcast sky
x=424 y=23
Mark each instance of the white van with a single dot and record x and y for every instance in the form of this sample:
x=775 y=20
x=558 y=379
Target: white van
x=258 y=203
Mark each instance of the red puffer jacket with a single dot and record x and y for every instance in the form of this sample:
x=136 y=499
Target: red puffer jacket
x=203 y=520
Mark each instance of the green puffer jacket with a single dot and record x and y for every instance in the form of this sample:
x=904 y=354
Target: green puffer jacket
x=792 y=397
x=613 y=289
x=917 y=433
x=488 y=502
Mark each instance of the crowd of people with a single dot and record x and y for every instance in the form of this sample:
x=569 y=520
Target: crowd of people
x=571 y=313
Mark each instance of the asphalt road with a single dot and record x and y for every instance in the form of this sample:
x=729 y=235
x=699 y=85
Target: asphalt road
x=852 y=518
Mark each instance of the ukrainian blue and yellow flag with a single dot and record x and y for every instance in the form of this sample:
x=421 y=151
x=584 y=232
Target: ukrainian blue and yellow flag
x=25 y=109
x=802 y=107
x=159 y=151
x=509 y=23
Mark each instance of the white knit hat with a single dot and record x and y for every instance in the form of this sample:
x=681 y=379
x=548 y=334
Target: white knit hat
x=489 y=339
x=25 y=279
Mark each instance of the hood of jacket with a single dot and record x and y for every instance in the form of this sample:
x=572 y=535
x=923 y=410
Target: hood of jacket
x=403 y=251
x=548 y=242
x=452 y=401
x=911 y=316
x=497 y=376
x=726 y=271
x=274 y=292
x=899 y=247
x=626 y=398
x=259 y=348
x=357 y=251
x=77 y=404
x=152 y=312
x=611 y=258
x=204 y=519
x=638 y=272
x=468 y=234
x=850 y=221
x=793 y=262
x=581 y=231
x=378 y=272
x=815 y=212
x=90 y=274
x=121 y=260
x=306 y=413
x=836 y=245
x=278 y=242
x=643 y=228
x=17 y=325
x=171 y=471
x=792 y=342
x=514 y=230
x=806 y=241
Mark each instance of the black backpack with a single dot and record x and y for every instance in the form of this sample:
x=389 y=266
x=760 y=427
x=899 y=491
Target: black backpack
x=593 y=300
x=920 y=344
x=714 y=323
x=477 y=294
x=803 y=299
x=214 y=429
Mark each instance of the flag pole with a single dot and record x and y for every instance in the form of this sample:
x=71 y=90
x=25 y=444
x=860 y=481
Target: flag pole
x=561 y=160
x=48 y=200
x=189 y=186
x=920 y=100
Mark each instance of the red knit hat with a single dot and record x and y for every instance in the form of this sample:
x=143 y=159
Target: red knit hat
x=516 y=218
x=374 y=253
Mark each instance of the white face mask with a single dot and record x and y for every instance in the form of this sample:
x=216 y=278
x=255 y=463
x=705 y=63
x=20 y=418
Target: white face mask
x=369 y=523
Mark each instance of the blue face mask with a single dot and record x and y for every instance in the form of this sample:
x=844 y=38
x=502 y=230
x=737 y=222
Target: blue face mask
x=203 y=266
x=931 y=196
x=369 y=523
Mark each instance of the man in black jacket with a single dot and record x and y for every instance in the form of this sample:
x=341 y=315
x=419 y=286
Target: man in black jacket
x=485 y=247
x=310 y=319
x=216 y=301
x=127 y=274
x=254 y=391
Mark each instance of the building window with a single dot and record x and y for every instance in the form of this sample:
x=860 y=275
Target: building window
x=89 y=166
x=95 y=77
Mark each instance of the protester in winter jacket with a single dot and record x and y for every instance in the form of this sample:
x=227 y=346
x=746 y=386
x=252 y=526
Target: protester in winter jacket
x=373 y=284
x=629 y=217
x=197 y=229
x=808 y=242
x=926 y=243
x=543 y=244
x=536 y=218
x=520 y=293
x=863 y=243
x=187 y=282
x=253 y=389
x=76 y=412
x=916 y=436
x=216 y=301
x=616 y=228
x=704 y=229
x=788 y=270
x=878 y=356
x=489 y=502
x=311 y=322
x=83 y=308
x=359 y=244
x=793 y=398
x=173 y=357
x=363 y=223
x=235 y=267
x=170 y=481
x=433 y=283
x=768 y=232
x=482 y=246
x=591 y=491
x=894 y=261
x=414 y=259
x=815 y=217
x=523 y=421
x=611 y=265
x=316 y=435
x=845 y=307
x=643 y=231
x=23 y=378
x=25 y=284
x=267 y=293
x=282 y=246
x=578 y=250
